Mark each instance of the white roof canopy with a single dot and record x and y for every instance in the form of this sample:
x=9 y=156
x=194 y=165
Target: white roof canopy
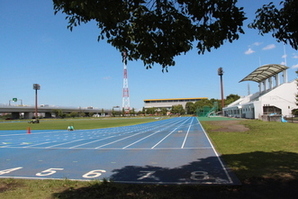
x=264 y=72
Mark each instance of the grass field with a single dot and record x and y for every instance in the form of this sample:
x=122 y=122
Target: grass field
x=79 y=123
x=264 y=157
x=267 y=149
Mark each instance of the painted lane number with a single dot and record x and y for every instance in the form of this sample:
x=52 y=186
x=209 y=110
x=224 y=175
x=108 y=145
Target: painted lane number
x=9 y=170
x=49 y=171
x=199 y=175
x=195 y=175
x=93 y=174
x=148 y=174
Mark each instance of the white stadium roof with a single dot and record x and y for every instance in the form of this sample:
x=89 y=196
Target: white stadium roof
x=264 y=72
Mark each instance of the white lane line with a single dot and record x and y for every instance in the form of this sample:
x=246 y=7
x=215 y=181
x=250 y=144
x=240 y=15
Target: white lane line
x=90 y=142
x=163 y=138
x=36 y=144
x=129 y=132
x=186 y=135
x=157 y=149
x=221 y=163
x=33 y=133
x=140 y=140
x=118 y=140
x=63 y=143
x=167 y=126
x=169 y=133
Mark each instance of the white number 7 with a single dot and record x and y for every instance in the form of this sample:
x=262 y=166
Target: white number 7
x=148 y=174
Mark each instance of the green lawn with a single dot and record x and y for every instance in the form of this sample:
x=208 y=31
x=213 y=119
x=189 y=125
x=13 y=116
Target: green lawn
x=265 y=159
x=262 y=136
x=79 y=123
x=268 y=149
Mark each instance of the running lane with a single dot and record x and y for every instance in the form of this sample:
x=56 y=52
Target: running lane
x=172 y=151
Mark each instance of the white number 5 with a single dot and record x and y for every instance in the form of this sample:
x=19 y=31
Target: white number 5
x=49 y=171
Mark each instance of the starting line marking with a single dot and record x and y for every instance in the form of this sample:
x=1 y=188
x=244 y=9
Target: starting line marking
x=199 y=176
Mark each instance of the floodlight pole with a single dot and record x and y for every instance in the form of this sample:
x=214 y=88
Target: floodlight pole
x=36 y=87
x=35 y=103
x=220 y=73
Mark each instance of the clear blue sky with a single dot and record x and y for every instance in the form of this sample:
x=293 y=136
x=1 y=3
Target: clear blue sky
x=73 y=69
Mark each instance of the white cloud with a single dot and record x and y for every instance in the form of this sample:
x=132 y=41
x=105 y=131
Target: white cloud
x=249 y=51
x=283 y=63
x=295 y=66
x=295 y=56
x=284 y=56
x=256 y=43
x=269 y=47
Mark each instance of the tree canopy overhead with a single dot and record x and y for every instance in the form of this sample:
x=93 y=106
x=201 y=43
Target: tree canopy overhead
x=281 y=22
x=155 y=31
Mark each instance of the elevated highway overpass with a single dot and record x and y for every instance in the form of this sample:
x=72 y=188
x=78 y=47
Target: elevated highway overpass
x=46 y=111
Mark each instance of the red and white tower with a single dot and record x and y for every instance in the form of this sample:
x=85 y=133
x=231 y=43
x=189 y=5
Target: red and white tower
x=125 y=95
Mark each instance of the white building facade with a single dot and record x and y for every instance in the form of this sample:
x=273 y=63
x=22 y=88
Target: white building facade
x=168 y=103
x=276 y=95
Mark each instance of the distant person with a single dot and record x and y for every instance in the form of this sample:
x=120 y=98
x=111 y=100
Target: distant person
x=70 y=128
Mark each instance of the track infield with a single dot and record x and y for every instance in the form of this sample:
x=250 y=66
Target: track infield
x=172 y=151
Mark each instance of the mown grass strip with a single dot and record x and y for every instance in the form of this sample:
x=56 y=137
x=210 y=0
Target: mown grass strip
x=267 y=149
x=83 y=123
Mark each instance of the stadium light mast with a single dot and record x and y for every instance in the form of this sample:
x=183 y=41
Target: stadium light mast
x=36 y=87
x=220 y=73
x=125 y=93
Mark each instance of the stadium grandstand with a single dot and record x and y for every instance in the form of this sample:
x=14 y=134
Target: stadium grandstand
x=276 y=96
x=168 y=103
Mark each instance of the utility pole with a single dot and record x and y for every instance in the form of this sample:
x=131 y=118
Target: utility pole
x=220 y=73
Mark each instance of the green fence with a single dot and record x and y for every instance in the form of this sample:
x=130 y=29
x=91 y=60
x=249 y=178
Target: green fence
x=207 y=111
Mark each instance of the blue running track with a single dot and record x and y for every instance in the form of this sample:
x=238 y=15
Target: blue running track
x=172 y=151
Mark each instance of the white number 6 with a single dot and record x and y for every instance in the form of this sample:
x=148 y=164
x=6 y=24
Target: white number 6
x=93 y=174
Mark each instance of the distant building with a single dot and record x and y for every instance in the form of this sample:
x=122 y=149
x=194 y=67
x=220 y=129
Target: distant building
x=276 y=95
x=168 y=103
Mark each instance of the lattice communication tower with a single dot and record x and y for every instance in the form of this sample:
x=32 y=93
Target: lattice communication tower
x=125 y=93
